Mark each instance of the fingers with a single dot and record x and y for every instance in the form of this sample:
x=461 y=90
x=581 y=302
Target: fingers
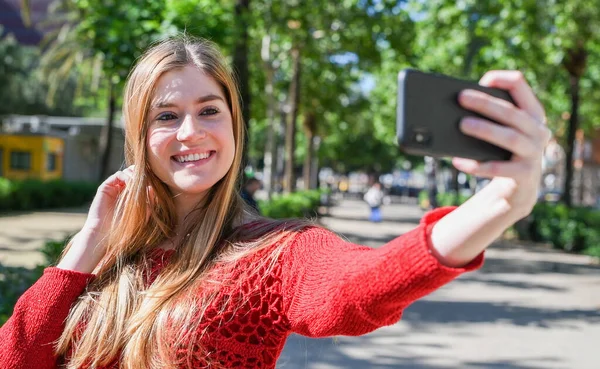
x=491 y=169
x=511 y=139
x=120 y=179
x=514 y=82
x=522 y=130
x=501 y=111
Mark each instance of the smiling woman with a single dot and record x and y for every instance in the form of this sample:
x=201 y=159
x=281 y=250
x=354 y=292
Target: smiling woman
x=173 y=270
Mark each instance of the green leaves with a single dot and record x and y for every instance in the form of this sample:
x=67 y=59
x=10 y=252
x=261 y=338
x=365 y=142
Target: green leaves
x=345 y=46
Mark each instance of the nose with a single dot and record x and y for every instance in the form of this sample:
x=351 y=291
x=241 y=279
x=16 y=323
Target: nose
x=190 y=129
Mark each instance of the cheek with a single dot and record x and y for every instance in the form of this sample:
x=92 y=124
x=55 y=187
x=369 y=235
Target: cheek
x=230 y=144
x=228 y=137
x=157 y=144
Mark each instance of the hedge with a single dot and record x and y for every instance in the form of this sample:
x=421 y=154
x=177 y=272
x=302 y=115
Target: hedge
x=301 y=204
x=34 y=194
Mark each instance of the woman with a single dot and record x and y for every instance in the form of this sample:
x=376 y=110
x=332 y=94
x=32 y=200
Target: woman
x=171 y=271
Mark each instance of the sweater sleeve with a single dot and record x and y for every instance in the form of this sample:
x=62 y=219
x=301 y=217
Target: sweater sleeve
x=27 y=338
x=333 y=287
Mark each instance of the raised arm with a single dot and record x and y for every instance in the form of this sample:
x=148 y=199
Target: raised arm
x=27 y=339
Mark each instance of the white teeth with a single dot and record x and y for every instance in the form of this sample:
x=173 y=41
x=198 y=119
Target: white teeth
x=191 y=157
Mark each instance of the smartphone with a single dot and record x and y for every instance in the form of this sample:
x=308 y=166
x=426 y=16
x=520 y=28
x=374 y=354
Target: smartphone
x=428 y=117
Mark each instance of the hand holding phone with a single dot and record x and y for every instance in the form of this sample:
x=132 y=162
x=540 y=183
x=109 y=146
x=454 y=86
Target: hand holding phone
x=428 y=117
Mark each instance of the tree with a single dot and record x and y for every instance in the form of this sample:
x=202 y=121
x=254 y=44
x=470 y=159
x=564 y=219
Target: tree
x=102 y=37
x=335 y=42
x=549 y=41
x=240 y=61
x=22 y=87
x=577 y=30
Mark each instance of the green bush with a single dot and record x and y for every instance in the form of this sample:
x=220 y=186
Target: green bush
x=34 y=194
x=52 y=250
x=13 y=282
x=570 y=229
x=301 y=204
x=6 y=190
x=443 y=199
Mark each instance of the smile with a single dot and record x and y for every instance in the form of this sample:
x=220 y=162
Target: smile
x=193 y=158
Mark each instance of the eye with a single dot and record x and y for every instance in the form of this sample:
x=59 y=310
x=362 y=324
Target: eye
x=209 y=111
x=166 y=116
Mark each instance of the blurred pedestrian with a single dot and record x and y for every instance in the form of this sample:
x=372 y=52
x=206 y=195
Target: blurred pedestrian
x=248 y=190
x=374 y=198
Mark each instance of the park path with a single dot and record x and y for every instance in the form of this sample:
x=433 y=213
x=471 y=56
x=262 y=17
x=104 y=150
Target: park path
x=23 y=234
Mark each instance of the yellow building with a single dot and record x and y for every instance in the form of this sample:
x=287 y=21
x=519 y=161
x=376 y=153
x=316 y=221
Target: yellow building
x=27 y=155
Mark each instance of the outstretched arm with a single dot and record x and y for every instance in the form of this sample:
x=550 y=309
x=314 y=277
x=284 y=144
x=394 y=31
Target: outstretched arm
x=334 y=287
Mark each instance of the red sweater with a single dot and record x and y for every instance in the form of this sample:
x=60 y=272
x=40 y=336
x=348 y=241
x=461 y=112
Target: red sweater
x=322 y=286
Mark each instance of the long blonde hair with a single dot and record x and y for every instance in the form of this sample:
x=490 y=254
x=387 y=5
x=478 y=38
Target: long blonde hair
x=120 y=317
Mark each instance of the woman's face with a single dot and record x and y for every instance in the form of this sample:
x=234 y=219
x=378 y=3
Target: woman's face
x=190 y=132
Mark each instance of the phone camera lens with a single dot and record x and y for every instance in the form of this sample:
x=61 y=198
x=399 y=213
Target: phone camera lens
x=421 y=137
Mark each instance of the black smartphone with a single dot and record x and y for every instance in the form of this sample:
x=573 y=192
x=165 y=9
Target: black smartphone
x=428 y=117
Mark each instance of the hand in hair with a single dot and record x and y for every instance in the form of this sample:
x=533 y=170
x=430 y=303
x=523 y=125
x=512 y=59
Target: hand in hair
x=86 y=248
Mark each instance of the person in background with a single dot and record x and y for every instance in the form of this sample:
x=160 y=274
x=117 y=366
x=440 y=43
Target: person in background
x=248 y=190
x=374 y=198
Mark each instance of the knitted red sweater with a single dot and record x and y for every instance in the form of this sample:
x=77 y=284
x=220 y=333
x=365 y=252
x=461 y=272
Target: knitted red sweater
x=321 y=286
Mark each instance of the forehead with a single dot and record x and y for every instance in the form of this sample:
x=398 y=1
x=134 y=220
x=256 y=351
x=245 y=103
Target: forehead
x=182 y=84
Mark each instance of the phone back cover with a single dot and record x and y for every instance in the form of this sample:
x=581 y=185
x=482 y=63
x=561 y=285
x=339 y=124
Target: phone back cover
x=428 y=106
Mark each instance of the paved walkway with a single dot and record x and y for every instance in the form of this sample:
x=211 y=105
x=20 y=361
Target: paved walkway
x=22 y=235
x=528 y=308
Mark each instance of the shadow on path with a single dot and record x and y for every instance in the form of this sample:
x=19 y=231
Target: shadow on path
x=508 y=266
x=304 y=353
x=424 y=314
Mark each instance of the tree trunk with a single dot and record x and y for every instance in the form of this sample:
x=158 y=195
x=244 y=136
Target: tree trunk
x=309 y=130
x=454 y=185
x=269 y=170
x=108 y=133
x=474 y=46
x=575 y=63
x=582 y=186
x=430 y=171
x=290 y=132
x=280 y=156
x=573 y=126
x=240 y=63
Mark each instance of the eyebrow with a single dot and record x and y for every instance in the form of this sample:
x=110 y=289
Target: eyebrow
x=161 y=104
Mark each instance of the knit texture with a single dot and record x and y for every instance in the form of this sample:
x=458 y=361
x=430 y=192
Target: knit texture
x=320 y=286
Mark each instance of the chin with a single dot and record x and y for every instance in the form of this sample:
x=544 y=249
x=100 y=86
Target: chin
x=194 y=187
